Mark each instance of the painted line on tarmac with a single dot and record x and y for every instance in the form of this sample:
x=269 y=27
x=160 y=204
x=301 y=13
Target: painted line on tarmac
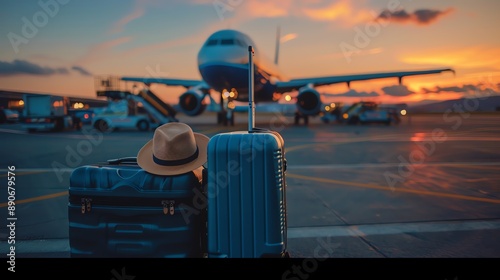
x=387 y=229
x=386 y=138
x=37 y=198
x=479 y=165
x=13 y=131
x=27 y=171
x=384 y=188
x=339 y=142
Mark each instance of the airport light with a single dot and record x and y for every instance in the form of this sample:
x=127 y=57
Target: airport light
x=288 y=97
x=225 y=94
x=333 y=105
x=403 y=112
x=78 y=105
x=345 y=116
x=233 y=94
x=21 y=103
x=327 y=108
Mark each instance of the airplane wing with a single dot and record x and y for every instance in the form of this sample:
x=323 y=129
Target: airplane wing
x=295 y=84
x=169 y=81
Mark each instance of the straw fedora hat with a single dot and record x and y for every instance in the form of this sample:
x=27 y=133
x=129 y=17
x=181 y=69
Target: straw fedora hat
x=174 y=149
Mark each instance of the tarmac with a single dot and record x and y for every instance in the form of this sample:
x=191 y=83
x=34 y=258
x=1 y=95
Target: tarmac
x=424 y=188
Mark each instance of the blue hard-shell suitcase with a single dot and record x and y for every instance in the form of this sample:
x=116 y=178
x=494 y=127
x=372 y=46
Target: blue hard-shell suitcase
x=246 y=191
x=119 y=210
x=246 y=195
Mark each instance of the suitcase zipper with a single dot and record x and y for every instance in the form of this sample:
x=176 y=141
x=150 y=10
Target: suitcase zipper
x=168 y=206
x=86 y=204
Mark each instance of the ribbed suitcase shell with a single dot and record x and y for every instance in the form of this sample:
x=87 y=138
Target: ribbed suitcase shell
x=127 y=218
x=246 y=195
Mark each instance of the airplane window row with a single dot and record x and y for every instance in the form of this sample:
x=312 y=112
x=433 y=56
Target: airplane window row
x=226 y=42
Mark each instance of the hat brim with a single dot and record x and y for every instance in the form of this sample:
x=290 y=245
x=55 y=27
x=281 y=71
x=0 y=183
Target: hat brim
x=145 y=158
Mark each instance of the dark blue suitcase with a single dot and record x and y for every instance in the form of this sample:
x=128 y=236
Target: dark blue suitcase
x=246 y=193
x=119 y=210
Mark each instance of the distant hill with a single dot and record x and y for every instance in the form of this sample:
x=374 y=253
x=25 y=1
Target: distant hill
x=489 y=104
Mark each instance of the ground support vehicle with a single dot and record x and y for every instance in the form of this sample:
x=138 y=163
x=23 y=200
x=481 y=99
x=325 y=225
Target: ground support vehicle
x=48 y=112
x=366 y=112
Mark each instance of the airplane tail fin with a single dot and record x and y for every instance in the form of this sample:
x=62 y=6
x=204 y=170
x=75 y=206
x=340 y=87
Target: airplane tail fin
x=276 y=54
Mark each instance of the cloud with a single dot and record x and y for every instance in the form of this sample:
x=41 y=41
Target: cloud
x=20 y=67
x=397 y=90
x=467 y=90
x=353 y=93
x=342 y=55
x=137 y=12
x=343 y=12
x=24 y=67
x=288 y=37
x=183 y=41
x=81 y=70
x=419 y=17
x=469 y=57
x=119 y=26
x=269 y=9
x=101 y=50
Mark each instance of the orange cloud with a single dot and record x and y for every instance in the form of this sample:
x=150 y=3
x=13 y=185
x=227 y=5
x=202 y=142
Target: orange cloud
x=101 y=50
x=472 y=57
x=262 y=8
x=343 y=11
x=288 y=37
x=341 y=55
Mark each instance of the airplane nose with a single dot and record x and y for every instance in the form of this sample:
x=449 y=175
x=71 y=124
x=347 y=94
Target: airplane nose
x=232 y=54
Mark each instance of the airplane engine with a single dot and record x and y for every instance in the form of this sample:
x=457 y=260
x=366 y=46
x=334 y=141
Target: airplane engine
x=309 y=101
x=192 y=102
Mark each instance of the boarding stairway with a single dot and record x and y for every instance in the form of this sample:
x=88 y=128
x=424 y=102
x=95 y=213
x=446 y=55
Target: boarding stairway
x=160 y=111
x=113 y=87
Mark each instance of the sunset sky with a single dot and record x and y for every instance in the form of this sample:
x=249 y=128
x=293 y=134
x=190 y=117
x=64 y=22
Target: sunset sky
x=58 y=46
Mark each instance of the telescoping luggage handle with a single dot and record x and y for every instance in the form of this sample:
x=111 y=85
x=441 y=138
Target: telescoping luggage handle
x=251 y=103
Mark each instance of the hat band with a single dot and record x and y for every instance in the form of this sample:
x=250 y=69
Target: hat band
x=177 y=161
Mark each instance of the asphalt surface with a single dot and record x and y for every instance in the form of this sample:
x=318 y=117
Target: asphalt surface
x=428 y=187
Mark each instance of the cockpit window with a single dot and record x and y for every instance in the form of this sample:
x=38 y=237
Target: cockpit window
x=212 y=42
x=239 y=42
x=227 y=42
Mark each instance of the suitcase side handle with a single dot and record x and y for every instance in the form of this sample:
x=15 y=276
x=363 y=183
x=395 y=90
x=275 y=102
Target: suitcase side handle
x=123 y=160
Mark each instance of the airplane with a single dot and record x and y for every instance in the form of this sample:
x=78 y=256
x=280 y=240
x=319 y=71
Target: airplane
x=223 y=66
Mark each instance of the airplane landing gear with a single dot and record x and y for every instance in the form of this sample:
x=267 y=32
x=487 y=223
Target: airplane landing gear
x=223 y=118
x=298 y=116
